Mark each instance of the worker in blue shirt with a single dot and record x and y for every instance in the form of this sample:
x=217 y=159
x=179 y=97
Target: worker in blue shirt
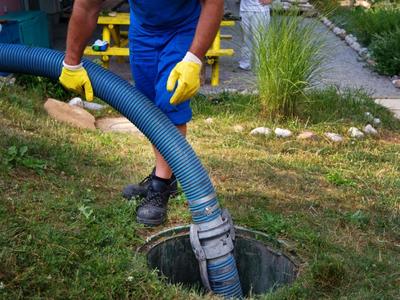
x=167 y=41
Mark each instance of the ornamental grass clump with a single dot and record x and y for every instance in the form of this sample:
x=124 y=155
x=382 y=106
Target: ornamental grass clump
x=288 y=57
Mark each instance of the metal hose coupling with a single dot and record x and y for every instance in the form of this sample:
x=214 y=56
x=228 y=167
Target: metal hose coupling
x=213 y=244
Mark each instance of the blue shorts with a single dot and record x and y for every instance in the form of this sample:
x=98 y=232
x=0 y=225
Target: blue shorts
x=153 y=55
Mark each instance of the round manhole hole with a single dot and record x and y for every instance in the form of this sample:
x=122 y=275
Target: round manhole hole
x=262 y=265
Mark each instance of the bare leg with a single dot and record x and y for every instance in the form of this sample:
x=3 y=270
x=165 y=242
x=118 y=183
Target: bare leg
x=162 y=168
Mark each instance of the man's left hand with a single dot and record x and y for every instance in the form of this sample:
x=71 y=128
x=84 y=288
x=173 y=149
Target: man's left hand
x=265 y=2
x=187 y=74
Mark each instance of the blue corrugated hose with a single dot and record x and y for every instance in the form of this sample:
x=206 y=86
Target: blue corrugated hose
x=125 y=98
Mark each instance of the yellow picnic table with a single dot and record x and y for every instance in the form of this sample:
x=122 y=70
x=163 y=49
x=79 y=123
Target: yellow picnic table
x=119 y=47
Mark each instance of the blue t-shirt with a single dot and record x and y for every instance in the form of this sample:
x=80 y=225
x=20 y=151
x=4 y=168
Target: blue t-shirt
x=164 y=14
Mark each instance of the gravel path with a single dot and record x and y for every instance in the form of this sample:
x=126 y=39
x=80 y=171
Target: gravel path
x=343 y=68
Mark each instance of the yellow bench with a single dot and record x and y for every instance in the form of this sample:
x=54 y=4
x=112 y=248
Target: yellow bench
x=111 y=31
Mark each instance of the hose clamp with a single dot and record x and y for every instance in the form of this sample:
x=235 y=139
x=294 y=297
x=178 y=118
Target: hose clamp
x=200 y=255
x=222 y=237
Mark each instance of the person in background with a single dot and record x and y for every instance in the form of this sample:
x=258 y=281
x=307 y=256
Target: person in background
x=254 y=14
x=167 y=41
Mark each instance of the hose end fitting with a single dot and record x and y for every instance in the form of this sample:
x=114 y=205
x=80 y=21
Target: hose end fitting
x=213 y=246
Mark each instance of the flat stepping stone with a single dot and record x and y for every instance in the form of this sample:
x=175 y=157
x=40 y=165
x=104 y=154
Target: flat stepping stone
x=72 y=115
x=119 y=124
x=392 y=104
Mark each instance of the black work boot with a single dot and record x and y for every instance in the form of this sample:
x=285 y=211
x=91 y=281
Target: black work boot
x=140 y=189
x=152 y=211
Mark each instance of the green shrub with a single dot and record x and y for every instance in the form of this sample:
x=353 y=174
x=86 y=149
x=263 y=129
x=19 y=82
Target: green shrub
x=365 y=24
x=386 y=52
x=288 y=57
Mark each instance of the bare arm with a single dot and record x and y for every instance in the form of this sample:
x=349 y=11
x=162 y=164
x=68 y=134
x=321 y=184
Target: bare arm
x=81 y=26
x=207 y=28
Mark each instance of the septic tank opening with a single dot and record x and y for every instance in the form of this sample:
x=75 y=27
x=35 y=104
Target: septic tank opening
x=261 y=268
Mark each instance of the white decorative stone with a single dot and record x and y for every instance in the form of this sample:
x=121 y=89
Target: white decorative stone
x=349 y=40
x=363 y=51
x=370 y=130
x=307 y=135
x=336 y=30
x=356 y=46
x=283 y=133
x=76 y=102
x=352 y=37
x=334 y=137
x=396 y=83
x=261 y=131
x=342 y=33
x=238 y=128
x=356 y=133
x=209 y=120
x=377 y=121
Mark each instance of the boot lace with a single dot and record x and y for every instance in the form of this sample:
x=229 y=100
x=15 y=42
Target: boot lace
x=154 y=198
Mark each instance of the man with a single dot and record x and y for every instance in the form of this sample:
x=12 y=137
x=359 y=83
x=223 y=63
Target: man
x=168 y=39
x=255 y=16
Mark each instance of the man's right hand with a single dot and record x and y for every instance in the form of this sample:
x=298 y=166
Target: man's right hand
x=76 y=79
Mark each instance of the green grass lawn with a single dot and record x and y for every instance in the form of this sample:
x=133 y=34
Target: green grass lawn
x=66 y=233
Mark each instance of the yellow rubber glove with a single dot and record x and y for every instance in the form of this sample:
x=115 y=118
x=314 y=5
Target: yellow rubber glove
x=187 y=74
x=75 y=78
